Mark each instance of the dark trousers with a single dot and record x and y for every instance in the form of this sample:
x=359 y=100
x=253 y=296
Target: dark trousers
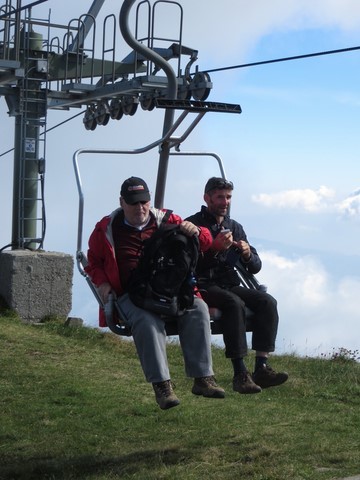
x=232 y=304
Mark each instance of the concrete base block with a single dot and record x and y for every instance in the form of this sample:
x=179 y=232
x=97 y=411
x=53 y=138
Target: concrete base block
x=36 y=284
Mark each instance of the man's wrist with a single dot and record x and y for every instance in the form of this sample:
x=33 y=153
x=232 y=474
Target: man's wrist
x=246 y=259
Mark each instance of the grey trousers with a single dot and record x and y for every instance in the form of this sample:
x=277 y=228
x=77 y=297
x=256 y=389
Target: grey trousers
x=148 y=331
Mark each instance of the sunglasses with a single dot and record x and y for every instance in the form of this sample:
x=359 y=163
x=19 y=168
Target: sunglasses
x=220 y=185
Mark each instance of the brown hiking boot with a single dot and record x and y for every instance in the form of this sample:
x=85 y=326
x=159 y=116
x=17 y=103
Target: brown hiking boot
x=165 y=396
x=267 y=377
x=243 y=383
x=207 y=387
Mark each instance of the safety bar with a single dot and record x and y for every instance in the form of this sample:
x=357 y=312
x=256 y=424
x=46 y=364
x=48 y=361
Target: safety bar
x=126 y=152
x=203 y=154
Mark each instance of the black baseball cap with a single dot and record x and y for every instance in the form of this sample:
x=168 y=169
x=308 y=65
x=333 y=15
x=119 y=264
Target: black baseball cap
x=218 y=183
x=134 y=190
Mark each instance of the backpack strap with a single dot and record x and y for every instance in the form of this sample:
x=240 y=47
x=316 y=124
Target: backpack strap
x=166 y=216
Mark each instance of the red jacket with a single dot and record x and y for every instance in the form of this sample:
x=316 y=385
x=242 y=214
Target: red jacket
x=102 y=266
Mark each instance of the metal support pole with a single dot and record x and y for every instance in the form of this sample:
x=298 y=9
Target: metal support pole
x=164 y=159
x=25 y=189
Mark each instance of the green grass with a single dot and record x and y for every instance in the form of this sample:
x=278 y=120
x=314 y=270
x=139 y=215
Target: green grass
x=75 y=405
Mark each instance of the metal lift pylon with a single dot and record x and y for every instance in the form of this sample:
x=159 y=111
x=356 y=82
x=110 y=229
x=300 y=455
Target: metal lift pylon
x=61 y=76
x=39 y=72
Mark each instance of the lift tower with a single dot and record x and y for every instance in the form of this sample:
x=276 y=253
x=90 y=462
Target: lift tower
x=45 y=65
x=40 y=70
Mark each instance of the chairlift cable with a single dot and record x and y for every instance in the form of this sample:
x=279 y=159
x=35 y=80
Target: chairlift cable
x=62 y=123
x=8 y=151
x=285 y=59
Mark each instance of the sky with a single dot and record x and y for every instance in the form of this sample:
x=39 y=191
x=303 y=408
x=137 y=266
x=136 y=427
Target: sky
x=292 y=154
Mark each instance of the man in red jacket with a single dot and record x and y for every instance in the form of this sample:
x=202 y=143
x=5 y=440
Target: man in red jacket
x=114 y=249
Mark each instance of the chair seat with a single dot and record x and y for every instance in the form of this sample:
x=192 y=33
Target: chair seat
x=216 y=325
x=172 y=328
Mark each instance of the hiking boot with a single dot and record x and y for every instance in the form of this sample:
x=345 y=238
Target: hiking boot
x=267 y=377
x=165 y=396
x=243 y=383
x=207 y=387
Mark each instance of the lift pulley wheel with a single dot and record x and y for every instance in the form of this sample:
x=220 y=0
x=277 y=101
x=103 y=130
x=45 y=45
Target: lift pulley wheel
x=200 y=86
x=115 y=107
x=129 y=105
x=147 y=103
x=89 y=119
x=102 y=114
x=184 y=92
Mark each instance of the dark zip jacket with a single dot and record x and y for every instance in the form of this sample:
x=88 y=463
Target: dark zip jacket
x=218 y=267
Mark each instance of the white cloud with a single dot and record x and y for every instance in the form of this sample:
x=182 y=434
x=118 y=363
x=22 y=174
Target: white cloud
x=350 y=207
x=304 y=199
x=302 y=281
x=344 y=14
x=247 y=22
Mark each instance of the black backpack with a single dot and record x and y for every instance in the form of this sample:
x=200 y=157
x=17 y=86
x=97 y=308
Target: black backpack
x=163 y=281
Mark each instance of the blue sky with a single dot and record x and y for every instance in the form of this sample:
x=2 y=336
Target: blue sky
x=292 y=155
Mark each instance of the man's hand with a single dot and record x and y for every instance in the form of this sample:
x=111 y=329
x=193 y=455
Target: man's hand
x=223 y=241
x=189 y=229
x=244 y=248
x=104 y=289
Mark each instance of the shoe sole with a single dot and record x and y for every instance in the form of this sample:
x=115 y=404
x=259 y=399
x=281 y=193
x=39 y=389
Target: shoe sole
x=272 y=384
x=172 y=404
x=248 y=392
x=215 y=394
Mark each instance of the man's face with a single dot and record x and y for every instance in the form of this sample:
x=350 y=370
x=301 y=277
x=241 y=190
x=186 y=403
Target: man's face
x=218 y=201
x=136 y=214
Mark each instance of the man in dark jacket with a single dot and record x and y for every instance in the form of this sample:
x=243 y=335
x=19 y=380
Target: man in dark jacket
x=220 y=287
x=115 y=246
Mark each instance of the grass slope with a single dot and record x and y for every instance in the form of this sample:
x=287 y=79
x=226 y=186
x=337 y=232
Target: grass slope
x=75 y=405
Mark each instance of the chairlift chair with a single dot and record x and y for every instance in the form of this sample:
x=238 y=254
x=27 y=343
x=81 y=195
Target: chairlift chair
x=114 y=322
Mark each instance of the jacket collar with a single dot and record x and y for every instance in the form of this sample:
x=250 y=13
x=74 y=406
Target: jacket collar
x=211 y=219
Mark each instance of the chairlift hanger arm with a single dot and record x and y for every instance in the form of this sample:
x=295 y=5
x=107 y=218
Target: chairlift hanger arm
x=172 y=94
x=142 y=49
